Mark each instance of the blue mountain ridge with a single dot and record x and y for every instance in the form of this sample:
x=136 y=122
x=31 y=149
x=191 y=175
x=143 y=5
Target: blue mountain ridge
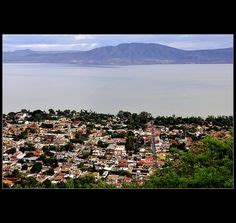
x=123 y=54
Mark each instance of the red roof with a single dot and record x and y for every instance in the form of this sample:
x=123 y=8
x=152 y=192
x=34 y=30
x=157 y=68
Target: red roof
x=160 y=163
x=37 y=153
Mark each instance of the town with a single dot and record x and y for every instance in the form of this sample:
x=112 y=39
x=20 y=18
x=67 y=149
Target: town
x=55 y=148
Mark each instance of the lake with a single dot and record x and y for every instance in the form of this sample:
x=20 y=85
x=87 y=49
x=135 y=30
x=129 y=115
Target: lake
x=180 y=89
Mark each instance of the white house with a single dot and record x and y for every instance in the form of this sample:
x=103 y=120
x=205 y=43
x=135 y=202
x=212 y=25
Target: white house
x=120 y=150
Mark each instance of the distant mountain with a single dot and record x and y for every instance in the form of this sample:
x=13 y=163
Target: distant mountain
x=123 y=54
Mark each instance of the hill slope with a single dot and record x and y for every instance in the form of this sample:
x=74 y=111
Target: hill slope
x=123 y=54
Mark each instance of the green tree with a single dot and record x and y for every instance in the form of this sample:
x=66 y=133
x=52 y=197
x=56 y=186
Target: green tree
x=36 y=168
x=69 y=183
x=11 y=151
x=211 y=166
x=24 y=111
x=24 y=167
x=69 y=146
x=29 y=182
x=102 y=144
x=87 y=181
x=11 y=114
x=51 y=111
x=47 y=183
x=50 y=172
x=129 y=145
x=16 y=173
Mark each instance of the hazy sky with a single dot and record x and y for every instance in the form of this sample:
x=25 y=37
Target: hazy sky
x=87 y=42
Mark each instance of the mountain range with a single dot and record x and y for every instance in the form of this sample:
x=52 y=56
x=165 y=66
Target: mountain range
x=123 y=54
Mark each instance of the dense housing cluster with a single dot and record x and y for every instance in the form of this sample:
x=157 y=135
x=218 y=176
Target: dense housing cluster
x=63 y=148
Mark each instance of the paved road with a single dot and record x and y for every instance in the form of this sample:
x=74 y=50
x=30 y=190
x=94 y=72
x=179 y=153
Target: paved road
x=153 y=148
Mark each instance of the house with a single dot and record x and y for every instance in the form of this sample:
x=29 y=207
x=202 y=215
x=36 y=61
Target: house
x=120 y=131
x=48 y=138
x=96 y=152
x=20 y=155
x=60 y=139
x=119 y=140
x=127 y=179
x=97 y=175
x=105 y=173
x=122 y=163
x=110 y=149
x=161 y=156
x=38 y=146
x=47 y=124
x=37 y=153
x=120 y=150
x=77 y=172
x=7 y=182
x=59 y=177
x=41 y=178
x=20 y=116
x=160 y=163
x=188 y=140
x=148 y=161
x=113 y=179
x=57 y=170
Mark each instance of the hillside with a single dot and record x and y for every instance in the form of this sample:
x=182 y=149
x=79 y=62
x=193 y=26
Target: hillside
x=123 y=54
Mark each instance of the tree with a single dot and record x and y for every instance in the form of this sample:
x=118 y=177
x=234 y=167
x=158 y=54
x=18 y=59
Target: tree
x=30 y=147
x=145 y=117
x=120 y=114
x=24 y=167
x=51 y=111
x=47 y=149
x=36 y=168
x=30 y=154
x=38 y=115
x=78 y=139
x=210 y=167
x=24 y=111
x=67 y=111
x=16 y=173
x=129 y=145
x=69 y=146
x=69 y=183
x=22 y=135
x=87 y=181
x=73 y=112
x=130 y=134
x=102 y=144
x=50 y=172
x=21 y=161
x=11 y=114
x=47 y=183
x=11 y=151
x=124 y=114
x=22 y=149
x=86 y=153
x=29 y=182
x=49 y=161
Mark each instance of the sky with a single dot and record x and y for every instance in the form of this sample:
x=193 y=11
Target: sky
x=42 y=42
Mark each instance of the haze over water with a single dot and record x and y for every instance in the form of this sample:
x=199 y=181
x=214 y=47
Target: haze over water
x=180 y=89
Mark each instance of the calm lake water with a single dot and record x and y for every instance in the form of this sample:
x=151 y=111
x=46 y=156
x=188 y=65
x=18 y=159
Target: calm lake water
x=188 y=89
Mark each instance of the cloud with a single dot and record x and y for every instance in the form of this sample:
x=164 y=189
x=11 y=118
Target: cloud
x=82 y=37
x=46 y=46
x=87 y=42
x=197 y=44
x=57 y=47
x=184 y=36
x=94 y=45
